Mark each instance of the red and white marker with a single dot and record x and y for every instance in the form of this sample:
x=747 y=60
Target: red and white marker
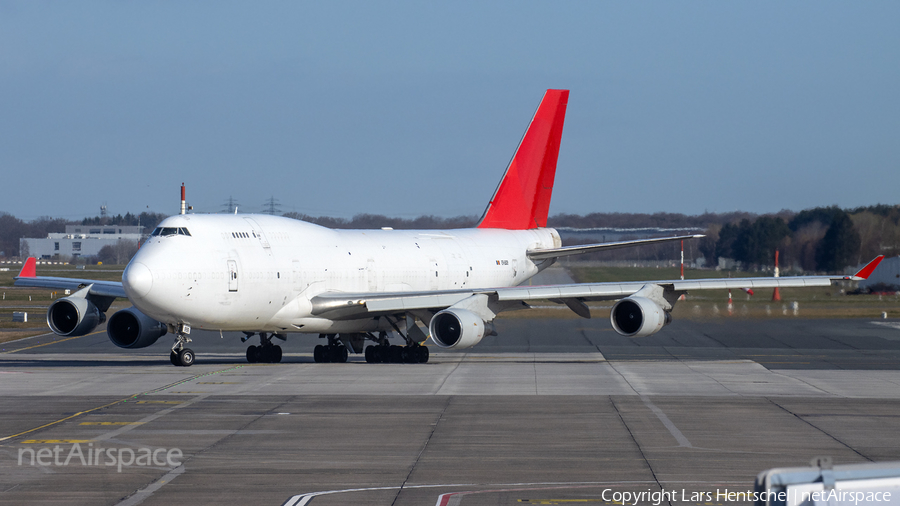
x=776 y=295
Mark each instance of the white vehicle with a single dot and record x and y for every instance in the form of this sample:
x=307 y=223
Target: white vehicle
x=272 y=276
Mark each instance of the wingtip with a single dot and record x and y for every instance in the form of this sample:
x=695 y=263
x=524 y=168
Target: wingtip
x=29 y=270
x=866 y=271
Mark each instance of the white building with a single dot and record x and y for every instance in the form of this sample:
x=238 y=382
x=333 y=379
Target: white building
x=79 y=240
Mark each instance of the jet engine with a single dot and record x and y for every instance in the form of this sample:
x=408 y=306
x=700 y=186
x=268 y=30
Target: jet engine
x=73 y=316
x=455 y=328
x=130 y=328
x=638 y=317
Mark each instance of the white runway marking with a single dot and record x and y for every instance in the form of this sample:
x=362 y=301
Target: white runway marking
x=303 y=499
x=455 y=498
x=144 y=493
x=682 y=441
x=893 y=325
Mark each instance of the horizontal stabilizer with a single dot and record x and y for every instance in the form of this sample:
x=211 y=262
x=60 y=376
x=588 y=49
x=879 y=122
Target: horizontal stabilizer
x=540 y=254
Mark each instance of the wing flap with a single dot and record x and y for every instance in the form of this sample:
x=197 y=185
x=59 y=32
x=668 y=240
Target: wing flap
x=735 y=283
x=416 y=301
x=588 y=291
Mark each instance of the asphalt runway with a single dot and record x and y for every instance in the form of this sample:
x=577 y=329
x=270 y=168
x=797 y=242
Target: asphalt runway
x=550 y=411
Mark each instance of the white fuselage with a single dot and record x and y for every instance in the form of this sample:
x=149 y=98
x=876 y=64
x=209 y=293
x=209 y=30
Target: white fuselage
x=259 y=272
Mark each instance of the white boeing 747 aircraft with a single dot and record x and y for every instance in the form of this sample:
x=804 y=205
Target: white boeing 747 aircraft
x=272 y=276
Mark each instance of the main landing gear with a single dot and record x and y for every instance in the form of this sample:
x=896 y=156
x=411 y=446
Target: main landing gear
x=334 y=351
x=338 y=349
x=266 y=352
x=412 y=353
x=393 y=354
x=180 y=355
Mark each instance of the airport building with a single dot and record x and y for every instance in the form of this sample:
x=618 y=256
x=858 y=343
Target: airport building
x=79 y=240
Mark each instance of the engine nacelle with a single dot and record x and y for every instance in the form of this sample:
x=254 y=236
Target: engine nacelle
x=638 y=317
x=456 y=328
x=73 y=316
x=130 y=328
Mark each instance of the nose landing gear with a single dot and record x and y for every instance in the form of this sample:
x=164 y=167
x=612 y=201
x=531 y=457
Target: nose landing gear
x=180 y=355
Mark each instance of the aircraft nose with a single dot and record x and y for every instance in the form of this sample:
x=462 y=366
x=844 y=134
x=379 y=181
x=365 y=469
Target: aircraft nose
x=137 y=280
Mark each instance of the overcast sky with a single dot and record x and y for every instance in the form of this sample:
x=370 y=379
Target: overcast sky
x=405 y=109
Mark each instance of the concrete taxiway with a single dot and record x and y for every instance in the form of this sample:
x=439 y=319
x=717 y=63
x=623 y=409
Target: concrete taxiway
x=550 y=411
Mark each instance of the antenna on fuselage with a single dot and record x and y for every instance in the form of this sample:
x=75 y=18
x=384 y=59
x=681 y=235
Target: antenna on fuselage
x=182 y=198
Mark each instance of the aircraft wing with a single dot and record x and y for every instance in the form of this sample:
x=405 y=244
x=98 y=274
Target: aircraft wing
x=338 y=305
x=28 y=278
x=540 y=254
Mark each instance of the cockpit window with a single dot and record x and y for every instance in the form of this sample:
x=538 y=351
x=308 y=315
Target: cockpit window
x=163 y=231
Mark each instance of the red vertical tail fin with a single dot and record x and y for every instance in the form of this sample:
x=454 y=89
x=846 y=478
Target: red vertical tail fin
x=522 y=200
x=29 y=270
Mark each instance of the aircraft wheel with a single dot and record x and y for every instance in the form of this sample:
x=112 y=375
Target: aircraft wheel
x=339 y=354
x=422 y=354
x=252 y=354
x=186 y=357
x=173 y=357
x=377 y=354
x=396 y=354
x=370 y=354
x=319 y=354
x=276 y=354
x=408 y=355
